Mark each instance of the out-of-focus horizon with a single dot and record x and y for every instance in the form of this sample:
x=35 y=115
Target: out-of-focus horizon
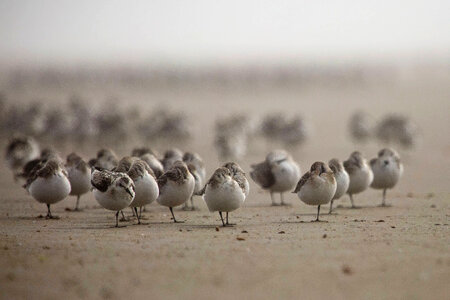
x=224 y=34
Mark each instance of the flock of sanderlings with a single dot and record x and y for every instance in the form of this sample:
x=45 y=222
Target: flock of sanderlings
x=173 y=180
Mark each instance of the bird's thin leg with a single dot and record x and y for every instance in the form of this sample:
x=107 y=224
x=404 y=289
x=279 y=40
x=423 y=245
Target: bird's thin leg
x=49 y=214
x=221 y=217
x=173 y=216
x=351 y=200
x=78 y=202
x=230 y=224
x=331 y=207
x=137 y=215
x=383 y=203
x=272 y=198
x=318 y=212
x=282 y=199
x=123 y=217
x=117 y=218
x=192 y=203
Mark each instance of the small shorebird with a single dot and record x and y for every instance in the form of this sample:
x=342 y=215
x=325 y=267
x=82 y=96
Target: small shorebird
x=197 y=169
x=146 y=186
x=279 y=173
x=113 y=190
x=223 y=193
x=360 y=174
x=317 y=186
x=106 y=159
x=239 y=175
x=342 y=180
x=170 y=157
x=19 y=151
x=175 y=186
x=48 y=183
x=387 y=170
x=79 y=174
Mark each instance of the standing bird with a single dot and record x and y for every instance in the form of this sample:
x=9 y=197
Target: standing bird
x=387 y=170
x=197 y=169
x=145 y=184
x=278 y=173
x=19 y=151
x=342 y=180
x=48 y=183
x=79 y=174
x=223 y=193
x=175 y=186
x=113 y=190
x=239 y=176
x=360 y=174
x=317 y=186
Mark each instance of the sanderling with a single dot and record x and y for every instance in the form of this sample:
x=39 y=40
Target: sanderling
x=170 y=157
x=279 y=173
x=317 y=186
x=387 y=170
x=175 y=186
x=145 y=184
x=48 y=183
x=113 y=190
x=79 y=174
x=360 y=174
x=342 y=180
x=223 y=193
x=106 y=159
x=239 y=175
x=197 y=169
x=19 y=151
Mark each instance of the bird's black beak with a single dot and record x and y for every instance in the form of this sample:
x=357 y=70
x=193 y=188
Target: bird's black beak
x=386 y=162
x=129 y=192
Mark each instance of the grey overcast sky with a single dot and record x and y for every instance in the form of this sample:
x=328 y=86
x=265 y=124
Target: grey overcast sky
x=221 y=32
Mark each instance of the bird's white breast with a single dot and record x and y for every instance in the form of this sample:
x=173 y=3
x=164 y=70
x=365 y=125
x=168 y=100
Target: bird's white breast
x=146 y=189
x=360 y=180
x=287 y=175
x=173 y=194
x=385 y=176
x=50 y=190
x=115 y=198
x=317 y=191
x=342 y=183
x=226 y=197
x=80 y=182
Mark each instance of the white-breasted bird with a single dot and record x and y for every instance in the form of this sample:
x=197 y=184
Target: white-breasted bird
x=79 y=174
x=175 y=186
x=387 y=170
x=317 y=187
x=112 y=190
x=223 y=193
x=360 y=174
x=278 y=173
x=48 y=183
x=342 y=180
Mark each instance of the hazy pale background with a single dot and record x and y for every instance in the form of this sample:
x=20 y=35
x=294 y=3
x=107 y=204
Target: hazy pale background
x=220 y=33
